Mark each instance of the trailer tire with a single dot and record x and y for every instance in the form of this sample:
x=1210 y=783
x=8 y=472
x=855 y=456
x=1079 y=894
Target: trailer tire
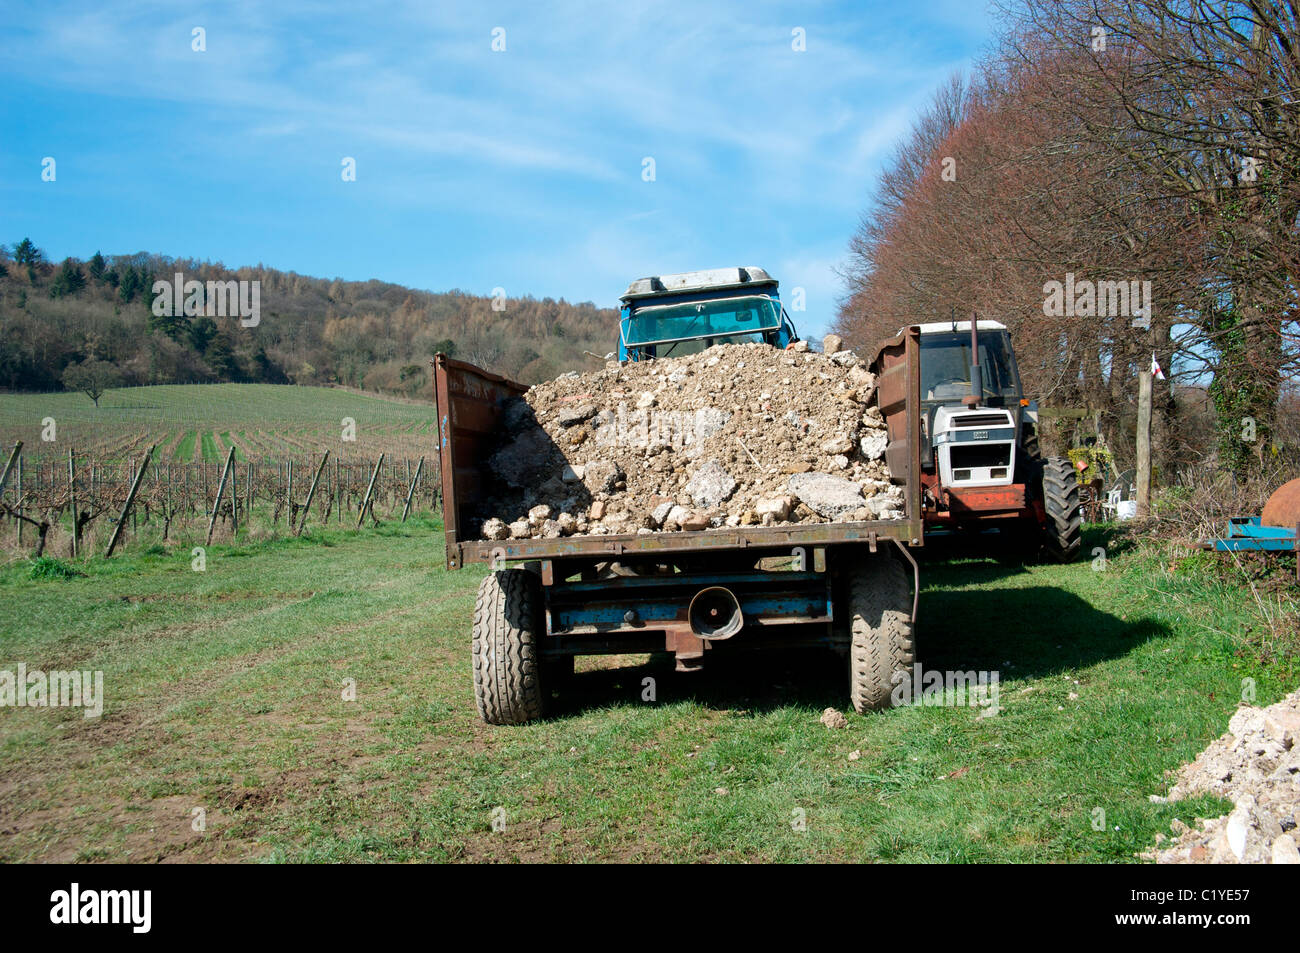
x=880 y=621
x=508 y=626
x=1063 y=534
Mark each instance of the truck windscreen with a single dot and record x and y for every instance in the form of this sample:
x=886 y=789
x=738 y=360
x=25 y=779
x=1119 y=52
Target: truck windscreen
x=729 y=320
x=945 y=365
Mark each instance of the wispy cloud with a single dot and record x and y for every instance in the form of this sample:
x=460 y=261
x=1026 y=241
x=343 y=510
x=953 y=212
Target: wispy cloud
x=759 y=149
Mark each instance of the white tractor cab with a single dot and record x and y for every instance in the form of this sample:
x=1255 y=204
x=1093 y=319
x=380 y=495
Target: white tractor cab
x=981 y=466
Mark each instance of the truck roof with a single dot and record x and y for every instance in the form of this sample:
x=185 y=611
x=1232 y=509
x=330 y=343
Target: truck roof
x=936 y=327
x=709 y=280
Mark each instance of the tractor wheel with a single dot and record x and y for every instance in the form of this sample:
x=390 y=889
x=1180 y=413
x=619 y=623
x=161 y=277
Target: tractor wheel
x=879 y=603
x=1029 y=444
x=1063 y=534
x=1029 y=459
x=508 y=626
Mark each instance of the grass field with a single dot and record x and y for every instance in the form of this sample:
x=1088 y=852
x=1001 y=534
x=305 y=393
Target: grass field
x=224 y=692
x=185 y=420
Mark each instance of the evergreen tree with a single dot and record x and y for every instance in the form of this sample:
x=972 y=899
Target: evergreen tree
x=96 y=267
x=68 y=281
x=201 y=332
x=26 y=253
x=131 y=284
x=221 y=358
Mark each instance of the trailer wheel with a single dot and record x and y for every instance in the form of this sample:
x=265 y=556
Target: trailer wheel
x=508 y=624
x=1063 y=533
x=880 y=619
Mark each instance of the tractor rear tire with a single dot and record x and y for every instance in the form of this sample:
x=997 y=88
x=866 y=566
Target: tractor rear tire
x=879 y=603
x=1063 y=534
x=508 y=629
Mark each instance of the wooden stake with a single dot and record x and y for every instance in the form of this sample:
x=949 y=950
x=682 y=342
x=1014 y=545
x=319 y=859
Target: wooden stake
x=1144 y=443
x=18 y=487
x=369 y=489
x=13 y=458
x=72 y=496
x=234 y=495
x=126 y=507
x=18 y=490
x=411 y=490
x=230 y=459
x=306 y=510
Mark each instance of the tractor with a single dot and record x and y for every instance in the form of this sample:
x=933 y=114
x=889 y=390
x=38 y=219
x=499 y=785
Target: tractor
x=981 y=467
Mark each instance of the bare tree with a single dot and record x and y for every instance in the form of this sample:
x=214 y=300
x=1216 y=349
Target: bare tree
x=92 y=377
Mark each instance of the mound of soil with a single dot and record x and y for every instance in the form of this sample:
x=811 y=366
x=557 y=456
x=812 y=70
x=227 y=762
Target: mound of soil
x=1256 y=765
x=736 y=435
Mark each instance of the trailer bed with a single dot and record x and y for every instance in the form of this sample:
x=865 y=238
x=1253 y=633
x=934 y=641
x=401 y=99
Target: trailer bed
x=470 y=401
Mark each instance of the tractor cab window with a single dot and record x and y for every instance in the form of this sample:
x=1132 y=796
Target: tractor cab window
x=674 y=330
x=945 y=366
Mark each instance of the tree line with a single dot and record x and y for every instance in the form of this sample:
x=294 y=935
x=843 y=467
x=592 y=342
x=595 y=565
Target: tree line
x=90 y=324
x=1133 y=141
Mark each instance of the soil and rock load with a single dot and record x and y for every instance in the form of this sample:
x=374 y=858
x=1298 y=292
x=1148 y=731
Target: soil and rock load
x=1256 y=765
x=736 y=435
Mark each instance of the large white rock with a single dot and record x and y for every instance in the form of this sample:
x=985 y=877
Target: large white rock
x=826 y=495
x=873 y=444
x=710 y=485
x=778 y=506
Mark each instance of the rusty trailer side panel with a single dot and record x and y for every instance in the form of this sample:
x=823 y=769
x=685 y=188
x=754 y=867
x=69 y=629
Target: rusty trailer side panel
x=897 y=365
x=470 y=402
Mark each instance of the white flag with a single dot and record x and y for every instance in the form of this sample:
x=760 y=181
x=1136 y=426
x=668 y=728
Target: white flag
x=1156 y=372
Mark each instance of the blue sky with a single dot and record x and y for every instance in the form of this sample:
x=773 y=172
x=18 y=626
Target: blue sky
x=475 y=169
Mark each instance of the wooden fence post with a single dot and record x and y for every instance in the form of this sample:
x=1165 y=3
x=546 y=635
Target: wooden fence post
x=230 y=459
x=126 y=507
x=234 y=494
x=13 y=458
x=306 y=510
x=72 y=496
x=369 y=489
x=411 y=491
x=18 y=488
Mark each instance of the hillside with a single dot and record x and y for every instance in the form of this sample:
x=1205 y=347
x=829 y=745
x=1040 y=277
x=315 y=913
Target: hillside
x=370 y=335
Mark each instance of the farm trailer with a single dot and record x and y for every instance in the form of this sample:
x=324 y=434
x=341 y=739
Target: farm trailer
x=850 y=586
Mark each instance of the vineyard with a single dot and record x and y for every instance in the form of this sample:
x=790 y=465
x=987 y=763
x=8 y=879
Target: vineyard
x=200 y=462
x=199 y=423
